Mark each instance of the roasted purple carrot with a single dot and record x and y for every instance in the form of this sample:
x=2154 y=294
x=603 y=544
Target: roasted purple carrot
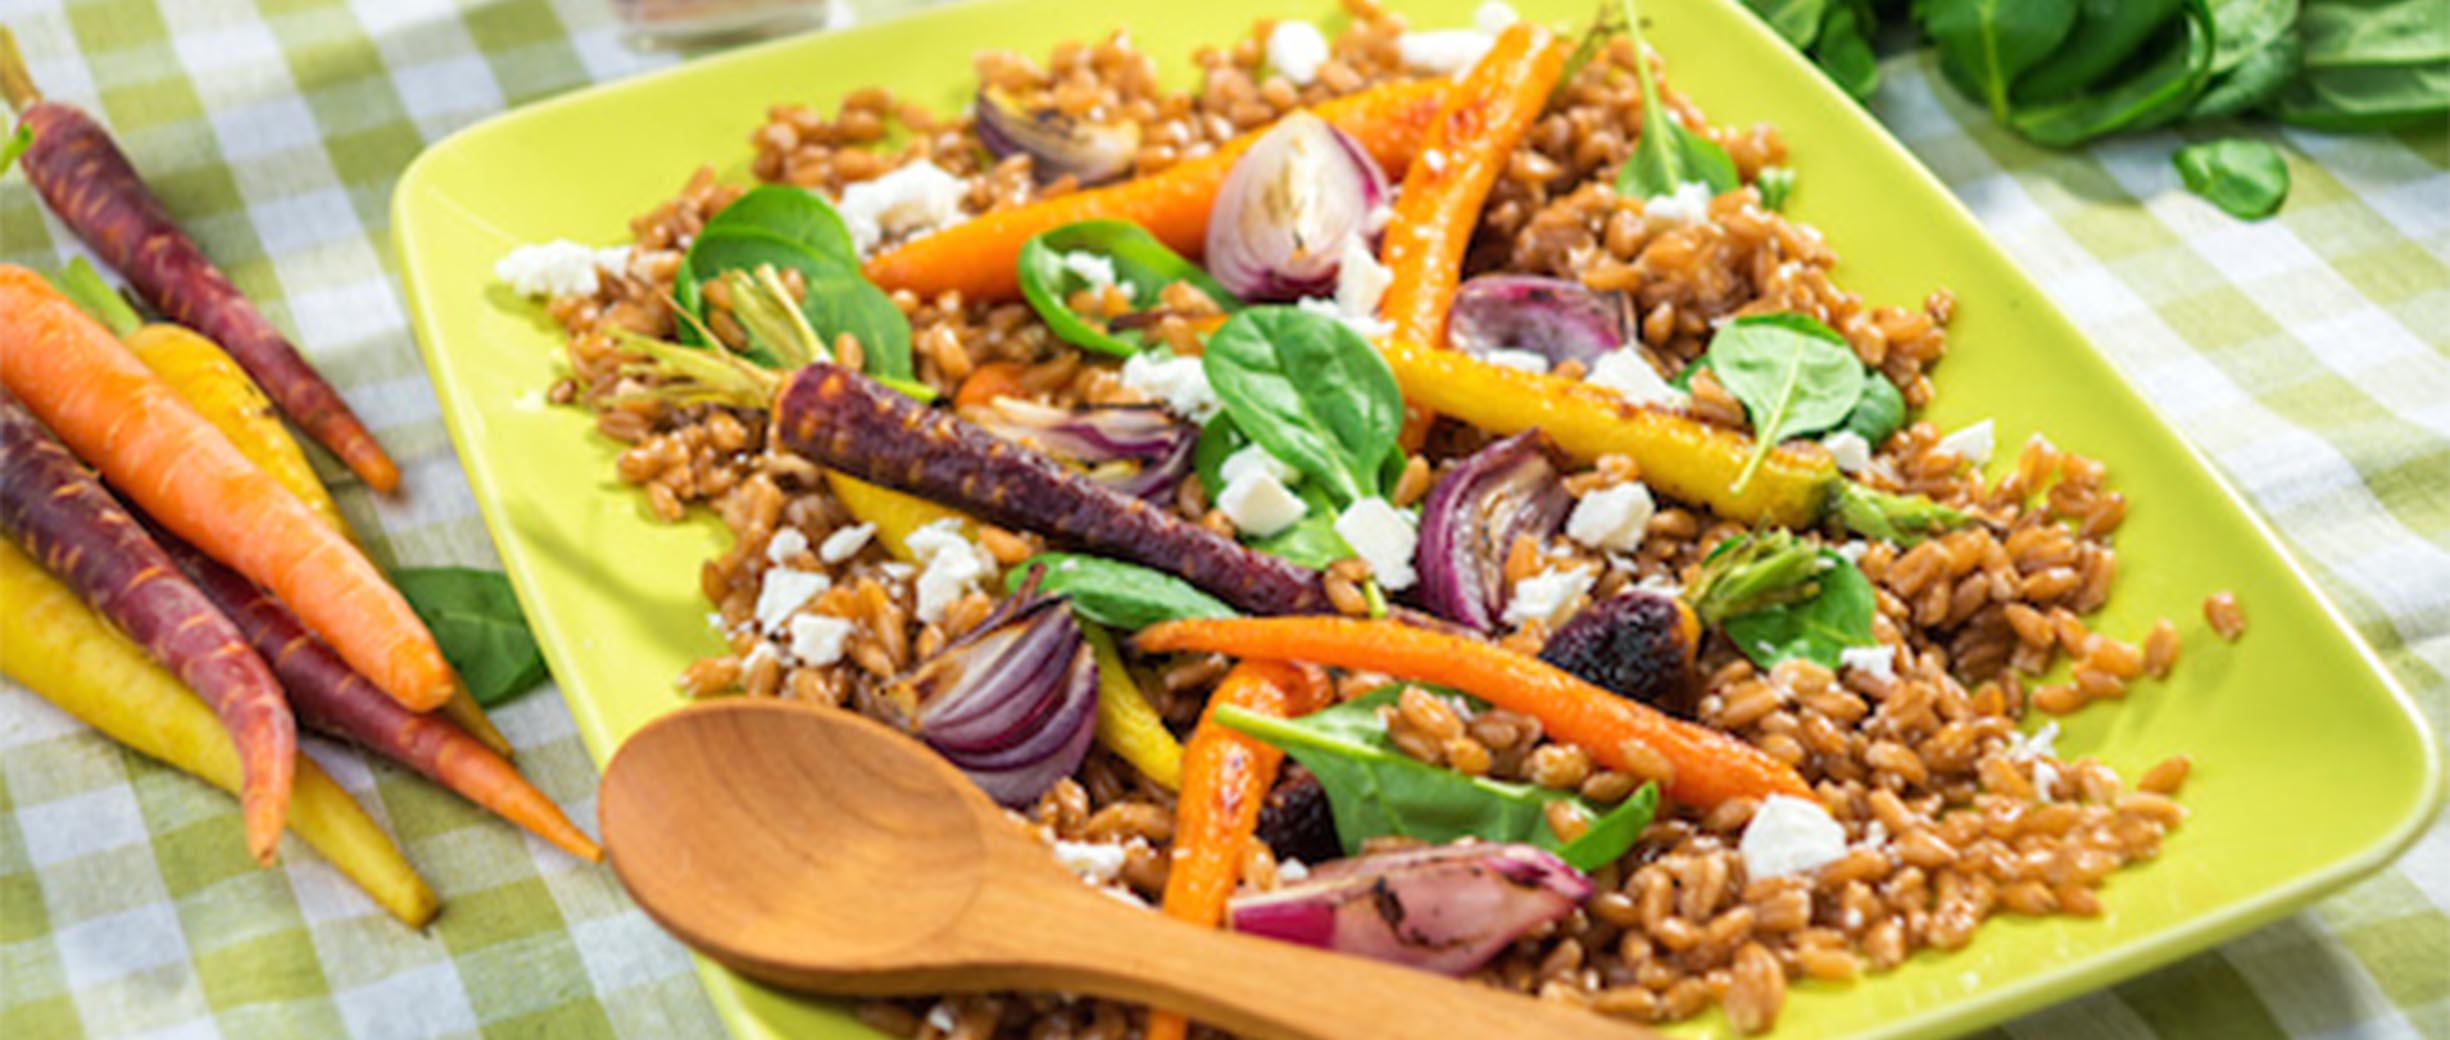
x=59 y=512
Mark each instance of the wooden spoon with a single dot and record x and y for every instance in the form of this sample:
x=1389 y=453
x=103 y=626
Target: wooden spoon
x=817 y=850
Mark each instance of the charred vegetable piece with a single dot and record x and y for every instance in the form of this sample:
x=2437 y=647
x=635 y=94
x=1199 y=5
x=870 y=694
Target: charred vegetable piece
x=1138 y=450
x=1502 y=492
x=1554 y=318
x=1446 y=909
x=841 y=419
x=1059 y=145
x=1289 y=207
x=1638 y=643
x=1297 y=823
x=1013 y=703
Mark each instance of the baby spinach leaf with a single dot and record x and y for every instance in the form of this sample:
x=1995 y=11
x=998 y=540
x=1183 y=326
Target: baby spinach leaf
x=794 y=213
x=2250 y=83
x=1116 y=594
x=476 y=620
x=1667 y=156
x=1143 y=267
x=839 y=298
x=1218 y=441
x=2340 y=33
x=1312 y=541
x=1879 y=412
x=1984 y=45
x=1375 y=790
x=2154 y=94
x=2371 y=65
x=1778 y=598
x=1845 y=53
x=1776 y=184
x=1793 y=375
x=2105 y=35
x=1797 y=20
x=1311 y=391
x=2244 y=176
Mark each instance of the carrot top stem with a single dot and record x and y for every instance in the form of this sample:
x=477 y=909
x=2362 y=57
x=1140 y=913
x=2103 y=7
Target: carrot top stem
x=84 y=287
x=15 y=81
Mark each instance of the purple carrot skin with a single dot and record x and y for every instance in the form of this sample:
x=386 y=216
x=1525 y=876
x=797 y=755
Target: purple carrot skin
x=58 y=510
x=333 y=700
x=846 y=421
x=89 y=182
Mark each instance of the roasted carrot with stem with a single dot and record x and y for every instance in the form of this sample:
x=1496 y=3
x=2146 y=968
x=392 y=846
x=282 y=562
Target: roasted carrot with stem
x=85 y=178
x=978 y=258
x=52 y=506
x=173 y=465
x=1709 y=767
x=1225 y=780
x=1460 y=157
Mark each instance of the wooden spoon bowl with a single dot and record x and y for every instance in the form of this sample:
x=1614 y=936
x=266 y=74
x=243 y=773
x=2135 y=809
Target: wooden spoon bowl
x=817 y=850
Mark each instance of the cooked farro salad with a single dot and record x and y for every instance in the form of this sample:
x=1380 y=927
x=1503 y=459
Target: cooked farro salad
x=1414 y=494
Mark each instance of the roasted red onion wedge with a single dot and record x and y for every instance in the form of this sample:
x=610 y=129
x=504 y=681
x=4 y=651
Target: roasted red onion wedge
x=1557 y=319
x=1011 y=702
x=1448 y=908
x=1139 y=450
x=1472 y=517
x=1287 y=208
x=1057 y=144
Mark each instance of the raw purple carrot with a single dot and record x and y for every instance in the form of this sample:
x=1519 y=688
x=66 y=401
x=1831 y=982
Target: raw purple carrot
x=846 y=421
x=89 y=182
x=59 y=512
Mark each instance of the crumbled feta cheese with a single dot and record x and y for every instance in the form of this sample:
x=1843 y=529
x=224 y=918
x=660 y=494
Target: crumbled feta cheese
x=1973 y=443
x=1664 y=584
x=817 y=640
x=950 y=566
x=785 y=591
x=762 y=652
x=913 y=198
x=1098 y=862
x=1789 y=835
x=896 y=570
x=1852 y=550
x=1493 y=17
x=614 y=259
x=1096 y=270
x=1877 y=661
x=1259 y=504
x=1443 y=52
x=1361 y=281
x=1292 y=870
x=1253 y=457
x=1384 y=537
x=2039 y=747
x=942 y=1018
x=1688 y=204
x=845 y=542
x=1180 y=382
x=1613 y=517
x=1297 y=49
x=557 y=268
x=2045 y=779
x=1875 y=835
x=1852 y=453
x=1627 y=374
x=1546 y=596
x=1531 y=361
x=786 y=543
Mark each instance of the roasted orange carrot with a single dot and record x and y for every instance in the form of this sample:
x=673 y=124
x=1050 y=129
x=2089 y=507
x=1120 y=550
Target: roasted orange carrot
x=977 y=257
x=1467 y=146
x=1226 y=776
x=173 y=465
x=85 y=178
x=54 y=507
x=990 y=381
x=1709 y=766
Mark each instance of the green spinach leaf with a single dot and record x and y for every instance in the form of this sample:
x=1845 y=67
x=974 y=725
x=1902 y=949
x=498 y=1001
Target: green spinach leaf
x=1312 y=392
x=794 y=213
x=2371 y=65
x=1778 y=598
x=1116 y=594
x=839 y=298
x=476 y=620
x=2244 y=176
x=2106 y=34
x=1797 y=20
x=1218 y=441
x=1312 y=541
x=1375 y=790
x=1845 y=53
x=1143 y=267
x=1664 y=161
x=1793 y=375
x=2253 y=82
x=1984 y=45
x=1879 y=412
x=2154 y=94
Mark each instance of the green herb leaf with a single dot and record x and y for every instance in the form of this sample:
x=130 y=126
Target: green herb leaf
x=1793 y=375
x=1879 y=412
x=1374 y=790
x=1845 y=53
x=476 y=619
x=2245 y=177
x=790 y=228
x=1143 y=267
x=1312 y=541
x=1777 y=598
x=1798 y=21
x=2106 y=34
x=1312 y=392
x=2370 y=65
x=1984 y=45
x=1116 y=594
x=1776 y=184
x=2251 y=83
x=1664 y=161
x=16 y=145
x=1218 y=441
x=794 y=213
x=2154 y=94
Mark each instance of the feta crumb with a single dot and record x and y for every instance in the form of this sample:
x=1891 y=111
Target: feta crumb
x=1361 y=281
x=763 y=651
x=950 y=566
x=1180 y=382
x=1255 y=458
x=785 y=591
x=942 y=1018
x=1098 y=862
x=1259 y=504
x=897 y=570
x=1973 y=443
x=1493 y=17
x=1789 y=835
x=817 y=640
x=1613 y=517
x=1852 y=551
x=1443 y=52
x=1384 y=537
x=1688 y=204
x=2040 y=747
x=1292 y=870
x=786 y=543
x=1546 y=596
x=1627 y=374
x=1096 y=270
x=614 y=259
x=1665 y=584
x=845 y=542
x=1852 y=452
x=557 y=268
x=1531 y=361
x=1297 y=49
x=1877 y=661
x=911 y=199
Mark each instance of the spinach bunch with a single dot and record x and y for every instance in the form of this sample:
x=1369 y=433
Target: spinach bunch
x=790 y=228
x=476 y=620
x=2370 y=65
x=1142 y=267
x=1795 y=377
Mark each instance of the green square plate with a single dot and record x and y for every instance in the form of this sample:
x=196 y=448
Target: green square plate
x=2310 y=767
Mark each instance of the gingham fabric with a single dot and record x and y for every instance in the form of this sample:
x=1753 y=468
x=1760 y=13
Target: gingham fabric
x=2307 y=354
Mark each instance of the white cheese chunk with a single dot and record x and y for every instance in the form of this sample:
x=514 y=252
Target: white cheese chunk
x=785 y=544
x=1973 y=443
x=556 y=268
x=817 y=640
x=784 y=592
x=1384 y=537
x=2038 y=749
x=1688 y=204
x=1494 y=16
x=1253 y=458
x=1180 y=382
x=1259 y=504
x=1612 y=518
x=950 y=567
x=1852 y=453
x=1292 y=870
x=1547 y=596
x=1443 y=52
x=845 y=542
x=1625 y=373
x=1852 y=550
x=1789 y=835
x=1361 y=281
x=1093 y=861
x=1296 y=49
x=1531 y=361
x=1096 y=270
x=912 y=199
x=1877 y=661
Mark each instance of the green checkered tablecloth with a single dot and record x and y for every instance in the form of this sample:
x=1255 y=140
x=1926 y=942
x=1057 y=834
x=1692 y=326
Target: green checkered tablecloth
x=2308 y=354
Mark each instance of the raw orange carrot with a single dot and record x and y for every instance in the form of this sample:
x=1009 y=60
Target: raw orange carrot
x=1467 y=146
x=1226 y=776
x=54 y=507
x=173 y=465
x=977 y=257
x=92 y=186
x=1710 y=767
